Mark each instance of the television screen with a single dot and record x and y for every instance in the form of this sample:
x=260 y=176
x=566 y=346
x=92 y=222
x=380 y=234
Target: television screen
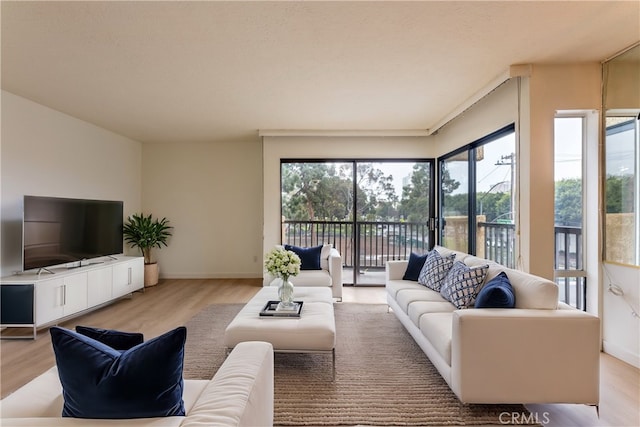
x=58 y=230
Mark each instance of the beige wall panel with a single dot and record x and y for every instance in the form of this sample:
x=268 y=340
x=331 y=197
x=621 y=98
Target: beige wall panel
x=212 y=195
x=552 y=88
x=497 y=110
x=623 y=84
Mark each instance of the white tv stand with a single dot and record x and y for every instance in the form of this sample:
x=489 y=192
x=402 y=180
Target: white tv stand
x=36 y=300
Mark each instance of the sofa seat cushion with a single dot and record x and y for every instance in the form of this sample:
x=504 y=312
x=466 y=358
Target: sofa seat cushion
x=311 y=278
x=82 y=422
x=418 y=308
x=407 y=296
x=394 y=286
x=438 y=329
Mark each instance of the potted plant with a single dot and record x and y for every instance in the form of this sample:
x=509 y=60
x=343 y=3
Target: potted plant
x=145 y=232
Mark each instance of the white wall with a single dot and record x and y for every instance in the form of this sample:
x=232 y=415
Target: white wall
x=48 y=153
x=212 y=195
x=620 y=329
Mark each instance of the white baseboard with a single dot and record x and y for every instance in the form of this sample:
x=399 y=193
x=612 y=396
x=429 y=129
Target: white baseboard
x=210 y=276
x=621 y=353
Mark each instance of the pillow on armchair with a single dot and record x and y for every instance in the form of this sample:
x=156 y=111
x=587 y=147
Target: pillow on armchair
x=309 y=257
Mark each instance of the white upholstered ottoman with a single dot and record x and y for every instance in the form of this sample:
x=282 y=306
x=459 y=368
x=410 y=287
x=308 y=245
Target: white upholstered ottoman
x=314 y=331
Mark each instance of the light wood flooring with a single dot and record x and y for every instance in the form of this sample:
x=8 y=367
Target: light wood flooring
x=174 y=302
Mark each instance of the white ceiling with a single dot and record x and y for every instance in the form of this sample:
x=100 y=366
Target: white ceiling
x=219 y=71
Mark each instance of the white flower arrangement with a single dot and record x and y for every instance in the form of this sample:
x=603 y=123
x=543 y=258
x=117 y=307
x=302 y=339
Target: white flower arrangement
x=282 y=263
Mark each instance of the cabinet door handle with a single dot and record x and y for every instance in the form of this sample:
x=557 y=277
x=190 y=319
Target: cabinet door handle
x=64 y=294
x=129 y=278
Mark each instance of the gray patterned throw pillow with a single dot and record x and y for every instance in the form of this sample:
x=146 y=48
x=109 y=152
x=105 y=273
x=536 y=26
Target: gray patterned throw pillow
x=435 y=269
x=462 y=283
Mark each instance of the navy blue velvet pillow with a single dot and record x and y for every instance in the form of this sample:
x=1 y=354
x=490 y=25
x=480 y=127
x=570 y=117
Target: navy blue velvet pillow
x=414 y=267
x=309 y=257
x=117 y=340
x=101 y=382
x=497 y=293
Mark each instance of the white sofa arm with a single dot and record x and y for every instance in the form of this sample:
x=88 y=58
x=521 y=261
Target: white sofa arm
x=241 y=392
x=514 y=355
x=395 y=270
x=335 y=271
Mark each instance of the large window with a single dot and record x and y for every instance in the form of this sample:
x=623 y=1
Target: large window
x=622 y=190
x=477 y=205
x=569 y=142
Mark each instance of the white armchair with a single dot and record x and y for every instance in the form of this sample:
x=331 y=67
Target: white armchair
x=330 y=273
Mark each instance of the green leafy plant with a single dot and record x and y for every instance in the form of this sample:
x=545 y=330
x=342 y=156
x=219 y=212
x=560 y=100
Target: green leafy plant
x=146 y=232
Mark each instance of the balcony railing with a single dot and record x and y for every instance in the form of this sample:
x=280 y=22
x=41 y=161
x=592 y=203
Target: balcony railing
x=569 y=270
x=379 y=242
x=496 y=241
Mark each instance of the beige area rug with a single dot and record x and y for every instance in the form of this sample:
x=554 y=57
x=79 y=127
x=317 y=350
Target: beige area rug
x=382 y=377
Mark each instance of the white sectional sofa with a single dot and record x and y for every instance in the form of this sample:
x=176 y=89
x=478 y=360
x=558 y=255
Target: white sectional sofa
x=239 y=394
x=541 y=351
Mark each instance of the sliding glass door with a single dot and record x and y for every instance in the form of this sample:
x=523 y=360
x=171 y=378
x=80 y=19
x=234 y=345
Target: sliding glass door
x=371 y=211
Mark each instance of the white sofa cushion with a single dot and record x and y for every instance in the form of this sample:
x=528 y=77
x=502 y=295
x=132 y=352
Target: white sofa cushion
x=533 y=291
x=241 y=392
x=311 y=278
x=407 y=296
x=438 y=329
x=394 y=286
x=418 y=308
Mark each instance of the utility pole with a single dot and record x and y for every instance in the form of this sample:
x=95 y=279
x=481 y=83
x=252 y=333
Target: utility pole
x=510 y=160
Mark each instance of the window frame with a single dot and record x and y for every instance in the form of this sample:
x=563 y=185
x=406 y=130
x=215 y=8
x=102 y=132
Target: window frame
x=471 y=149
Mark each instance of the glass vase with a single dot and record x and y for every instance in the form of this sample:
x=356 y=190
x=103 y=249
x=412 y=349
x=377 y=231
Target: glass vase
x=285 y=292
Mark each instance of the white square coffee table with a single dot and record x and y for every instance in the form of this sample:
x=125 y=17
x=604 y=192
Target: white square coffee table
x=313 y=332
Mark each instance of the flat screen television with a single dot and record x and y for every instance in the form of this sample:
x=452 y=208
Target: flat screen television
x=58 y=230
